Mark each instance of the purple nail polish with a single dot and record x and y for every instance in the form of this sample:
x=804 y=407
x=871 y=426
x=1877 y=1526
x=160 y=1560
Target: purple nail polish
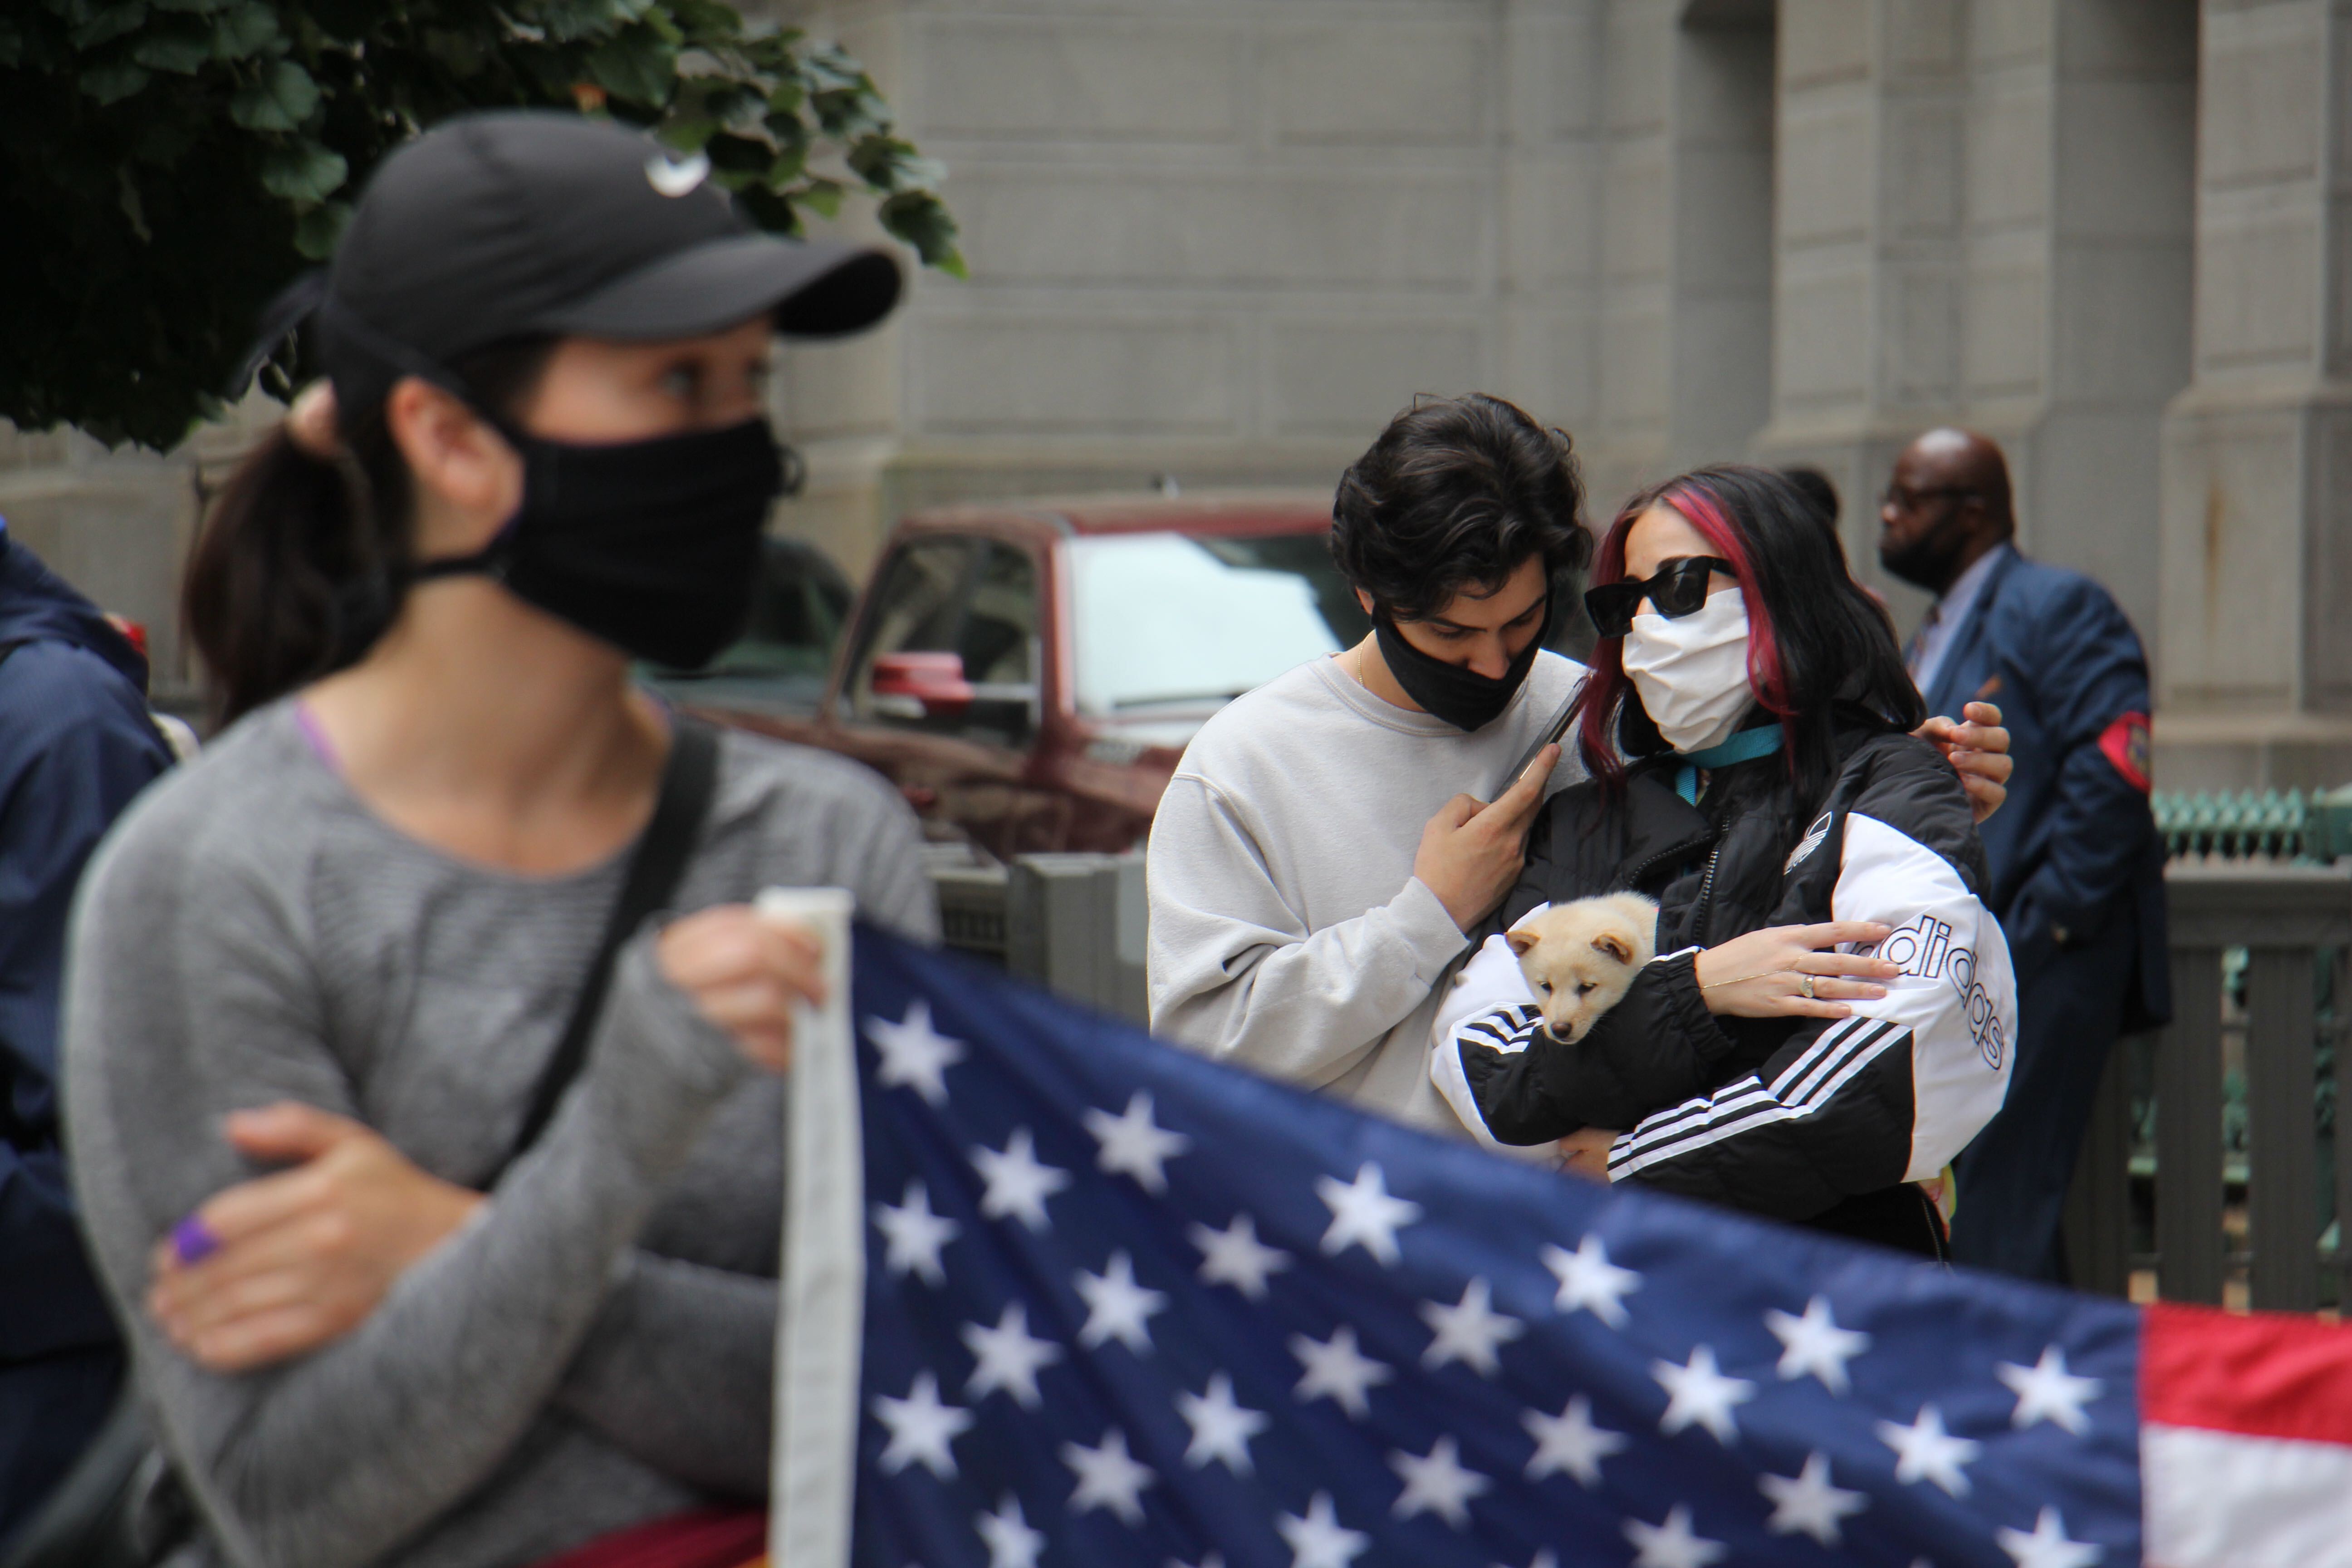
x=192 y=1242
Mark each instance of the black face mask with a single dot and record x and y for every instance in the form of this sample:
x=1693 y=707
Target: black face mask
x=1462 y=696
x=653 y=546
x=1931 y=560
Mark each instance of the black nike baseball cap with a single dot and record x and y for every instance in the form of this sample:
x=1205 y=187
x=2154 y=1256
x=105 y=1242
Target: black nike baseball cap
x=534 y=222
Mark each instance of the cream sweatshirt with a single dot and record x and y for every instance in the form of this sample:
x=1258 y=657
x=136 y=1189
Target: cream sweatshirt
x=1288 y=932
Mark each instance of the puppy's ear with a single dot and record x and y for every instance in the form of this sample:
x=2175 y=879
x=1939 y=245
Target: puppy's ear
x=1615 y=945
x=1521 y=941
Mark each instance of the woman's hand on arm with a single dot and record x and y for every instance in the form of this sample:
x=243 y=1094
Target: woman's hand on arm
x=1978 y=750
x=1766 y=973
x=301 y=1258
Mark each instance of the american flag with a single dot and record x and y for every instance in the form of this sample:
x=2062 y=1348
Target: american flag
x=1057 y=1294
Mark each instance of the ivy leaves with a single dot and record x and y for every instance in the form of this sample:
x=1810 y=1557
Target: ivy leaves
x=169 y=164
x=281 y=97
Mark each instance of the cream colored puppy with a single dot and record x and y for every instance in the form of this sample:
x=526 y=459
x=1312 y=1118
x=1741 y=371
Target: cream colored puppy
x=1580 y=956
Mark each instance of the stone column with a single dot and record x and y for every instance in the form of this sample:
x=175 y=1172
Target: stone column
x=2081 y=121
x=1685 y=222
x=2256 y=640
x=1625 y=442
x=1867 y=283
x=1553 y=157
x=1720 y=282
x=1984 y=216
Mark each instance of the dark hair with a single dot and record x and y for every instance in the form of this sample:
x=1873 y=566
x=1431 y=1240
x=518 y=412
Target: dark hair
x=1816 y=488
x=1455 y=494
x=1818 y=649
x=303 y=562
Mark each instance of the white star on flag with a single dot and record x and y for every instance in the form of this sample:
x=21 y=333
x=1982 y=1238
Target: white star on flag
x=1468 y=1332
x=1570 y=1443
x=1320 y=1540
x=1807 y=1504
x=1589 y=1281
x=2046 y=1391
x=1008 y=1358
x=914 y=1054
x=1235 y=1257
x=1699 y=1395
x=1672 y=1544
x=914 y=1235
x=1436 y=1483
x=1814 y=1345
x=2047 y=1547
x=1924 y=1451
x=1108 y=1478
x=1010 y=1540
x=1337 y=1371
x=1018 y=1185
x=1220 y=1429
x=1134 y=1145
x=920 y=1428
x=1363 y=1213
x=1116 y=1306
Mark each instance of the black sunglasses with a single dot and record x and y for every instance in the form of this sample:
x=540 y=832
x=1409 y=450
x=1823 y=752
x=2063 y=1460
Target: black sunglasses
x=1679 y=588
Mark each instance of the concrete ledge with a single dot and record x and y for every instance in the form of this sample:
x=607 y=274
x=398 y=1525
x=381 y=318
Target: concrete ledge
x=2251 y=750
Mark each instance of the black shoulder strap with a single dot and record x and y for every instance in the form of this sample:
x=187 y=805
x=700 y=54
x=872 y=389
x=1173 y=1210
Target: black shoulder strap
x=689 y=779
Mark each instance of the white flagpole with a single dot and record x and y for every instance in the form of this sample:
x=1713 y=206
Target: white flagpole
x=821 y=1302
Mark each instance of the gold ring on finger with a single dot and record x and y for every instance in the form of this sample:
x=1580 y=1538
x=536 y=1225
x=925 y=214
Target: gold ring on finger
x=1805 y=985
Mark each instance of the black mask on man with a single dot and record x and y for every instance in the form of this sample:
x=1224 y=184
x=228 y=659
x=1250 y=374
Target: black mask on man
x=653 y=545
x=1931 y=560
x=1460 y=696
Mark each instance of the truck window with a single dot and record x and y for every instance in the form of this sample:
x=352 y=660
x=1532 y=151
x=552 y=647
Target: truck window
x=999 y=641
x=918 y=602
x=1175 y=625
x=974 y=599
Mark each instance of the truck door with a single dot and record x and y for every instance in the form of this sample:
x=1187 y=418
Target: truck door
x=943 y=695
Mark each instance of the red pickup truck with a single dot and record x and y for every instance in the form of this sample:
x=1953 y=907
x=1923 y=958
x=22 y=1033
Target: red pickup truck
x=1028 y=673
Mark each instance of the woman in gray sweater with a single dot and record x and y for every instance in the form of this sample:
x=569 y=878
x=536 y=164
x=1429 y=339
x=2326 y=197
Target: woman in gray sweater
x=316 y=976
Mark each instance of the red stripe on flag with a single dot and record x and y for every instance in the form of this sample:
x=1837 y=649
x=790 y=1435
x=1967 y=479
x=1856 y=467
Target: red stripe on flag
x=707 y=1538
x=2266 y=1374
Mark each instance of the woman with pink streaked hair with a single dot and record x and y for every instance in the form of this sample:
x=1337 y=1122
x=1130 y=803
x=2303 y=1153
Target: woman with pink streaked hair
x=1830 y=1017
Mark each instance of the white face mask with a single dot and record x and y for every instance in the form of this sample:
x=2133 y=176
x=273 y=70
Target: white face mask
x=1692 y=671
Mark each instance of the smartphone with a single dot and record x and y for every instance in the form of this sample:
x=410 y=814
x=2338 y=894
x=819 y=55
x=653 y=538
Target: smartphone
x=1552 y=732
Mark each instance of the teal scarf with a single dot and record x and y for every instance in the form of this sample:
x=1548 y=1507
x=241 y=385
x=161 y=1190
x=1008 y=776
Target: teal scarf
x=1745 y=746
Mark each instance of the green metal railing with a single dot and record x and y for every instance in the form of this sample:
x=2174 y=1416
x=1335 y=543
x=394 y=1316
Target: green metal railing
x=2214 y=1156
x=2313 y=825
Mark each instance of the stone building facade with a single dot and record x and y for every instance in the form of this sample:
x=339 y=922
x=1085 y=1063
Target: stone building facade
x=1223 y=240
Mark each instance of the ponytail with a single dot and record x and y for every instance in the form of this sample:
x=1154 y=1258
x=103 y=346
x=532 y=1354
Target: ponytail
x=278 y=588
x=304 y=561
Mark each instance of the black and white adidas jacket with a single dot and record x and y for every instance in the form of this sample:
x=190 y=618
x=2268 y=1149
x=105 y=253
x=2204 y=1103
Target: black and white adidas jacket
x=1803 y=1119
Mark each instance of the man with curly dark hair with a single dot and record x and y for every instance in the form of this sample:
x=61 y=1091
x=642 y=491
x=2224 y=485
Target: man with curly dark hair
x=1328 y=838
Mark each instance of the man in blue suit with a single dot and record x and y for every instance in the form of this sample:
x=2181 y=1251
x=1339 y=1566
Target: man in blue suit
x=77 y=744
x=2077 y=868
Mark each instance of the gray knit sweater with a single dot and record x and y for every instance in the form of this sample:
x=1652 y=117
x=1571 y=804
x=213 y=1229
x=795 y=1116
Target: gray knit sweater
x=593 y=1349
